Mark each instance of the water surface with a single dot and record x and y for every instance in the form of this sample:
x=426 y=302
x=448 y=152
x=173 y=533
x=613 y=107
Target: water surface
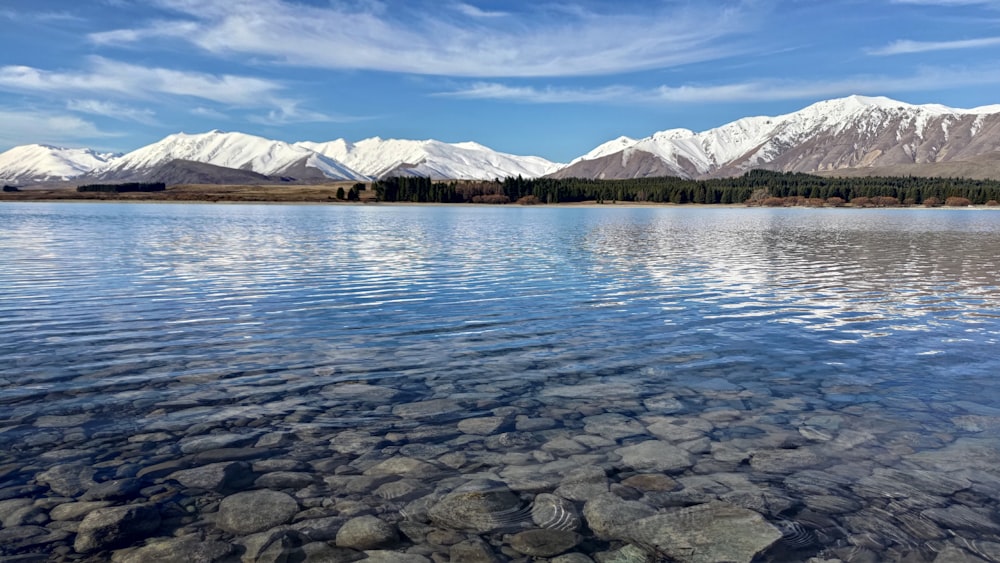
x=831 y=368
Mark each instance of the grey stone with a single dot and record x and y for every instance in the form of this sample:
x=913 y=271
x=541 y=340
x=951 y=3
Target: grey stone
x=555 y=513
x=180 y=550
x=319 y=529
x=563 y=446
x=650 y=482
x=474 y=550
x=404 y=467
x=278 y=545
x=362 y=392
x=706 y=533
x=385 y=556
x=952 y=554
x=229 y=454
x=12 y=506
x=527 y=424
x=68 y=480
x=198 y=444
x=222 y=477
x=25 y=516
x=320 y=552
x=481 y=506
x=481 y=426
x=254 y=511
x=427 y=409
x=403 y=490
x=355 y=442
x=27 y=537
x=544 y=542
x=572 y=558
x=680 y=429
x=75 y=510
x=613 y=426
x=655 y=455
x=62 y=421
x=116 y=489
x=663 y=404
x=959 y=516
x=609 y=516
x=285 y=480
x=107 y=528
x=164 y=468
x=367 y=532
x=784 y=461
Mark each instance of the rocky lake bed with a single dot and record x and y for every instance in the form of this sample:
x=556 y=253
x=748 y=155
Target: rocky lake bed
x=234 y=383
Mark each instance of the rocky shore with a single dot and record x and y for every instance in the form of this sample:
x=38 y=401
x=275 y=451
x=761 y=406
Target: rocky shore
x=592 y=469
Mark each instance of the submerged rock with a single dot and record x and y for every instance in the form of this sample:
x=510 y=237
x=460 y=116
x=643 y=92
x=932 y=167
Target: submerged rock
x=481 y=506
x=254 y=511
x=367 y=532
x=544 y=543
x=107 y=528
x=706 y=533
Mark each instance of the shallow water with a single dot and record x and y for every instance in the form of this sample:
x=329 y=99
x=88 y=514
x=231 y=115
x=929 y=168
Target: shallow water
x=833 y=369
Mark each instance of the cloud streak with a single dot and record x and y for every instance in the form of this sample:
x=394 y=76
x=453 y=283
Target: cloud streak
x=906 y=46
x=750 y=91
x=113 y=110
x=16 y=125
x=128 y=80
x=466 y=41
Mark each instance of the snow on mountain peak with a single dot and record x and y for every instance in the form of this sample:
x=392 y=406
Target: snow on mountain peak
x=752 y=141
x=230 y=150
x=377 y=157
x=41 y=163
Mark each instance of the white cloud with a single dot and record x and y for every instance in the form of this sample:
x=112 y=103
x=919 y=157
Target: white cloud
x=750 y=91
x=454 y=42
x=547 y=95
x=16 y=125
x=474 y=12
x=905 y=46
x=125 y=36
x=113 y=110
x=105 y=76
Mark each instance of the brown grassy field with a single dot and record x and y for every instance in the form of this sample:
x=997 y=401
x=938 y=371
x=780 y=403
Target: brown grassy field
x=323 y=193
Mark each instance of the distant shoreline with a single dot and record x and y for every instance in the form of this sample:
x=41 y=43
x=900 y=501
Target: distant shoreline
x=325 y=194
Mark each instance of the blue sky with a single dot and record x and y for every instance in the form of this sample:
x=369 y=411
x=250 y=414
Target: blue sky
x=552 y=79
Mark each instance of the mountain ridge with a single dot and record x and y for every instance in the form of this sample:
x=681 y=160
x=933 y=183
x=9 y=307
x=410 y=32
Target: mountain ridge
x=840 y=134
x=855 y=135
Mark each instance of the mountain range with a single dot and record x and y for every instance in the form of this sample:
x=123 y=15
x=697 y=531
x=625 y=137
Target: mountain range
x=849 y=136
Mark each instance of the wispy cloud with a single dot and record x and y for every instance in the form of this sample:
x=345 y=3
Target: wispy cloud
x=113 y=110
x=16 y=125
x=474 y=12
x=128 y=80
x=905 y=46
x=159 y=28
x=29 y=16
x=459 y=42
x=749 y=91
x=546 y=95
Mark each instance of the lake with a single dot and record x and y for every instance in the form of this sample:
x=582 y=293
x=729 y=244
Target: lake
x=420 y=383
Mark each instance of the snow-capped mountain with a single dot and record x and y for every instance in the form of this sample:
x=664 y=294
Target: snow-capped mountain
x=380 y=158
x=851 y=134
x=228 y=150
x=45 y=163
x=846 y=133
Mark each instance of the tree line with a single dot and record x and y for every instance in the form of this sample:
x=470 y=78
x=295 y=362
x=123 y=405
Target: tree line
x=125 y=187
x=908 y=190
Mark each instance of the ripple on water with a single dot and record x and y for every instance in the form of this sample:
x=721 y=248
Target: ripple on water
x=466 y=372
